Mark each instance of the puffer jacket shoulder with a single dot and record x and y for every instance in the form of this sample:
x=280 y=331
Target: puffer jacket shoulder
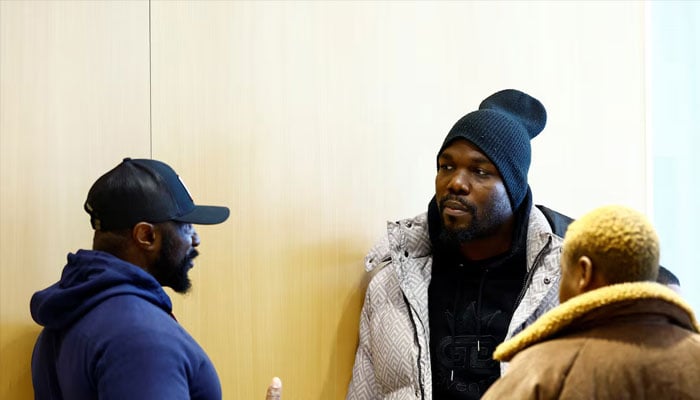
x=392 y=360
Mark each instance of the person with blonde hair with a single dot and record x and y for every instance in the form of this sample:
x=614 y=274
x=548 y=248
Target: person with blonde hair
x=617 y=334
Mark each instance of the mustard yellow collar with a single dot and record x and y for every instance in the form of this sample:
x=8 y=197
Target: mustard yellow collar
x=561 y=316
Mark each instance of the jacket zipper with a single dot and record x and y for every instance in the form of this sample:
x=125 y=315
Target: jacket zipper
x=531 y=273
x=420 y=352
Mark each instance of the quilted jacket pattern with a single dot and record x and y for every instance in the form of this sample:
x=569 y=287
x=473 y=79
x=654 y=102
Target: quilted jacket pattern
x=392 y=360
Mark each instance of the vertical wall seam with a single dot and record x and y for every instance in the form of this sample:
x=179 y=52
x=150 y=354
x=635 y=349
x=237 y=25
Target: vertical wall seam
x=150 y=85
x=648 y=130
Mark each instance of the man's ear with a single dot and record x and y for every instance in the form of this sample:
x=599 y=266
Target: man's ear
x=146 y=236
x=586 y=274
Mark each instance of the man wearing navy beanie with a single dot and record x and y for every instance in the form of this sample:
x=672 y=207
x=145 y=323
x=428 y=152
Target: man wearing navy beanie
x=502 y=128
x=479 y=266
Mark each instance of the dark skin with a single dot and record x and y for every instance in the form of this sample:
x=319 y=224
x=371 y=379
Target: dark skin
x=158 y=249
x=139 y=246
x=579 y=276
x=473 y=200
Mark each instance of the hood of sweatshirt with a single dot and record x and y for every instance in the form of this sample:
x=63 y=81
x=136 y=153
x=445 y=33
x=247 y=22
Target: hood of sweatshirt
x=89 y=278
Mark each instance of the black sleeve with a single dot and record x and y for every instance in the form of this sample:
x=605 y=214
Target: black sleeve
x=557 y=221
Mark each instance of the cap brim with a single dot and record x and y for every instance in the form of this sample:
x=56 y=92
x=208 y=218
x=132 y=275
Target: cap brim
x=205 y=215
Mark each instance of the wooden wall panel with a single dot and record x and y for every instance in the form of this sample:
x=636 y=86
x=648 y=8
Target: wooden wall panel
x=315 y=122
x=73 y=102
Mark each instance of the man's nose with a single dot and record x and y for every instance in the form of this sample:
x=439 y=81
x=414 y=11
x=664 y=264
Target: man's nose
x=195 y=238
x=460 y=183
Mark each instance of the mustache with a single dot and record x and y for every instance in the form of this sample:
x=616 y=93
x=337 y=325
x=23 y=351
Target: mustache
x=469 y=207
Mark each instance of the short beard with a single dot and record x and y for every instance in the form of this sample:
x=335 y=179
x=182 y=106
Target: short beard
x=173 y=273
x=480 y=227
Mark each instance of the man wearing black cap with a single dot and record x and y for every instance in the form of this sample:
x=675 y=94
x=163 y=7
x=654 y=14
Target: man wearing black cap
x=477 y=268
x=109 y=332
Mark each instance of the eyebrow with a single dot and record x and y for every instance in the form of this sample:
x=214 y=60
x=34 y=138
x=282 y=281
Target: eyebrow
x=478 y=159
x=447 y=157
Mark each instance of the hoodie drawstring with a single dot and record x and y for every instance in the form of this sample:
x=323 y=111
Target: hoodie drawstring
x=453 y=325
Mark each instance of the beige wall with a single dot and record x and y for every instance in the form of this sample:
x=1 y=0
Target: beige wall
x=314 y=122
x=74 y=98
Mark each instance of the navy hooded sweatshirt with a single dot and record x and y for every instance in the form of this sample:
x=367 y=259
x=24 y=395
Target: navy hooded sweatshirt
x=109 y=334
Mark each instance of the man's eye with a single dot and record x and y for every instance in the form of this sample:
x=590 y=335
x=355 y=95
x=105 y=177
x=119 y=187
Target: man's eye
x=446 y=167
x=481 y=172
x=186 y=228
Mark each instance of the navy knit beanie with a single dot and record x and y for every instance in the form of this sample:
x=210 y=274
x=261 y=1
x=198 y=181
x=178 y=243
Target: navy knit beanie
x=502 y=128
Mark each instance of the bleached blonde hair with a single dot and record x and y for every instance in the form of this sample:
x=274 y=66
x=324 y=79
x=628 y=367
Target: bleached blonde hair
x=621 y=243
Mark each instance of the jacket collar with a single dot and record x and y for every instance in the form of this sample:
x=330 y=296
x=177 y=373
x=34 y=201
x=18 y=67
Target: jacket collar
x=407 y=236
x=520 y=229
x=581 y=306
x=418 y=244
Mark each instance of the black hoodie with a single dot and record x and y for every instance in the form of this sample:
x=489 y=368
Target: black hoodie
x=470 y=306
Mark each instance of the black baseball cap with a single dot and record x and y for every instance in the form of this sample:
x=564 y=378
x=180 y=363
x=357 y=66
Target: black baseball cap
x=145 y=190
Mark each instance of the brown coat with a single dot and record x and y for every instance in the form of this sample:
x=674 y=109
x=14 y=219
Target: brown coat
x=627 y=341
